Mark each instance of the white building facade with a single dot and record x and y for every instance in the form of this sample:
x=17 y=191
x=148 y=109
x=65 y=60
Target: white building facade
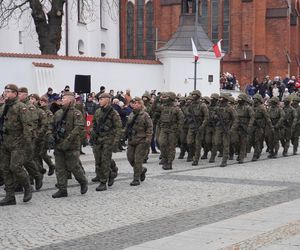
x=88 y=30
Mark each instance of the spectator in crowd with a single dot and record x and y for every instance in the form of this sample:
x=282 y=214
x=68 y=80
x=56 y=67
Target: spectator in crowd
x=292 y=84
x=250 y=90
x=102 y=90
x=128 y=97
x=112 y=94
x=90 y=105
x=56 y=103
x=285 y=93
x=49 y=95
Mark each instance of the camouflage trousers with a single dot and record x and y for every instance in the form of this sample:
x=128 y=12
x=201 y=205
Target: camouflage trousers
x=68 y=161
x=183 y=140
x=44 y=156
x=221 y=140
x=167 y=141
x=13 y=168
x=273 y=141
x=257 y=139
x=195 y=138
x=103 y=154
x=30 y=164
x=208 y=139
x=135 y=155
x=240 y=143
x=286 y=138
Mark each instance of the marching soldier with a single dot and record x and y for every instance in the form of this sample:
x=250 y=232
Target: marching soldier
x=245 y=115
x=15 y=137
x=261 y=120
x=105 y=135
x=197 y=117
x=289 y=124
x=171 y=119
x=296 y=131
x=68 y=127
x=226 y=120
x=139 y=131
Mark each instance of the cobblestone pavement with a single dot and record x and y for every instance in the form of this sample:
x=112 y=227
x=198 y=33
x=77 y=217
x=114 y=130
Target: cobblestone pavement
x=167 y=203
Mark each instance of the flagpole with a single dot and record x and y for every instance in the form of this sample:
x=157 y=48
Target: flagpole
x=195 y=75
x=196 y=41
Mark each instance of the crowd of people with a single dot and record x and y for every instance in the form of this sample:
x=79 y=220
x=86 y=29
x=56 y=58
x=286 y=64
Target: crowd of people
x=201 y=126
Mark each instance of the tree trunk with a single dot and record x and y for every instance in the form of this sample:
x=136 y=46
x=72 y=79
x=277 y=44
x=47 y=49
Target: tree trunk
x=48 y=28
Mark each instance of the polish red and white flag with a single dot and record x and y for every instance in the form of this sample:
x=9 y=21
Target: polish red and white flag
x=195 y=52
x=218 y=49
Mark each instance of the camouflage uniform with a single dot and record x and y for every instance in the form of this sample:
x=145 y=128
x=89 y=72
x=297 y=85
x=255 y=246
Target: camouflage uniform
x=139 y=130
x=245 y=120
x=16 y=137
x=296 y=131
x=105 y=134
x=185 y=128
x=171 y=119
x=197 y=118
x=211 y=124
x=30 y=164
x=226 y=120
x=277 y=117
x=261 y=120
x=68 y=132
x=44 y=146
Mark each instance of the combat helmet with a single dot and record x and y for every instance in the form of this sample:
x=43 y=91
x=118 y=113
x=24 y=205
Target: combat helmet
x=147 y=95
x=215 y=96
x=226 y=97
x=274 y=99
x=296 y=99
x=258 y=97
x=196 y=92
x=243 y=97
x=206 y=99
x=171 y=95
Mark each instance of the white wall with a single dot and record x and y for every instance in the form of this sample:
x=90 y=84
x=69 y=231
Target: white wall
x=178 y=72
x=117 y=76
x=91 y=32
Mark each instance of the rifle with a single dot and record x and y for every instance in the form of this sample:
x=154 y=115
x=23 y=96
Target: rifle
x=129 y=129
x=59 y=131
x=6 y=108
x=101 y=127
x=221 y=122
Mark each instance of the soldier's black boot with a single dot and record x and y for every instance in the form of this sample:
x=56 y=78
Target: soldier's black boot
x=1 y=181
x=167 y=166
x=83 y=188
x=143 y=174
x=8 y=201
x=231 y=157
x=223 y=163
x=181 y=155
x=212 y=157
x=39 y=183
x=51 y=170
x=284 y=153
x=27 y=193
x=60 y=193
x=195 y=163
x=162 y=162
x=18 y=188
x=135 y=183
x=96 y=179
x=112 y=176
x=102 y=187
x=294 y=150
x=69 y=176
x=204 y=156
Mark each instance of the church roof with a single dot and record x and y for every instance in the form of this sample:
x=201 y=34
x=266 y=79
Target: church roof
x=181 y=39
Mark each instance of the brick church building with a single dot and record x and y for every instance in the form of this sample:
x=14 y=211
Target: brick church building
x=260 y=37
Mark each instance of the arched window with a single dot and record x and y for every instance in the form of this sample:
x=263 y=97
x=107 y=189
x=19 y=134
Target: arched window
x=140 y=28
x=226 y=26
x=203 y=14
x=214 y=20
x=149 y=30
x=130 y=29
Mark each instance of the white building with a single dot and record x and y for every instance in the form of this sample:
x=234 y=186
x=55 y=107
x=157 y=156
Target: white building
x=90 y=38
x=87 y=30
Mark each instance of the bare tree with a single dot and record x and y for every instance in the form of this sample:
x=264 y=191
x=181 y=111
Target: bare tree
x=47 y=16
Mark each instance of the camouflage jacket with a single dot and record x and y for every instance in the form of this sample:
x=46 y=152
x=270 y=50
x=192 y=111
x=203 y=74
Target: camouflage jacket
x=139 y=128
x=107 y=126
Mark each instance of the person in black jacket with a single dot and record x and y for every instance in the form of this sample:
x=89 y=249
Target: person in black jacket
x=90 y=105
